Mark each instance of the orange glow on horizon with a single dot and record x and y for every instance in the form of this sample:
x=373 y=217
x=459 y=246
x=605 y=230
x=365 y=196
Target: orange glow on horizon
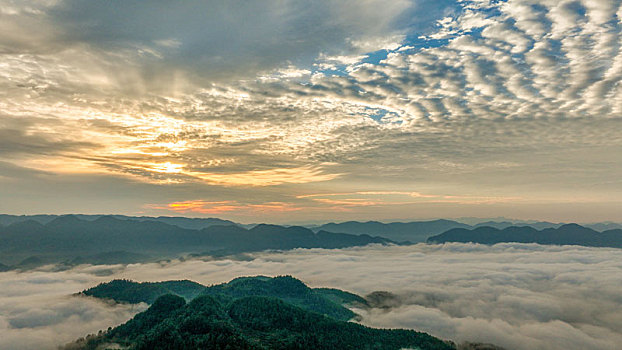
x=219 y=207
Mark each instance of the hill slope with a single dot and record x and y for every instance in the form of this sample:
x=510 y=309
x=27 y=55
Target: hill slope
x=325 y=301
x=414 y=232
x=569 y=234
x=126 y=291
x=248 y=323
x=68 y=237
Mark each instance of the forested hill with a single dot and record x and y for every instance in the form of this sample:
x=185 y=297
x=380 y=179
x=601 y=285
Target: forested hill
x=570 y=234
x=326 y=301
x=68 y=238
x=231 y=318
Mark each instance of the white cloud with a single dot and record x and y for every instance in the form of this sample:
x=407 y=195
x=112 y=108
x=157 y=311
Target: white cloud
x=533 y=83
x=38 y=311
x=519 y=296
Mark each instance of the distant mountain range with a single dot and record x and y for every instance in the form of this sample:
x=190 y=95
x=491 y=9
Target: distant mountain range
x=183 y=222
x=413 y=232
x=108 y=239
x=418 y=231
x=31 y=241
x=248 y=313
x=569 y=234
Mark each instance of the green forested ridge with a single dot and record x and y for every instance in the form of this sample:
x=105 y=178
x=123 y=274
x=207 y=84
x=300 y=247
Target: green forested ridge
x=247 y=323
x=126 y=291
x=288 y=289
x=322 y=300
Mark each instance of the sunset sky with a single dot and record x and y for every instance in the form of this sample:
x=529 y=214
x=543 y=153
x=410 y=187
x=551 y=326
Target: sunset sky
x=302 y=111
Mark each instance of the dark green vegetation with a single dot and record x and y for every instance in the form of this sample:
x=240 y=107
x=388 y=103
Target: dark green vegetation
x=125 y=291
x=324 y=301
x=233 y=316
x=71 y=240
x=570 y=234
x=321 y=300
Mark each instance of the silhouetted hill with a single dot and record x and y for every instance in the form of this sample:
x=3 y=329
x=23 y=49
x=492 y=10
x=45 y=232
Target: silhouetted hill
x=189 y=223
x=417 y=231
x=248 y=322
x=540 y=225
x=569 y=234
x=109 y=258
x=28 y=263
x=183 y=222
x=6 y=219
x=604 y=226
x=68 y=237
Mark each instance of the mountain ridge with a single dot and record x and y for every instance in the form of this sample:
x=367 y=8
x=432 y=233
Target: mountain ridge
x=249 y=321
x=68 y=237
x=567 y=234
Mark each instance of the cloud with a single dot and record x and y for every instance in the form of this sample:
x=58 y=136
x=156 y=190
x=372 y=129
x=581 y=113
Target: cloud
x=471 y=98
x=519 y=296
x=38 y=311
x=318 y=203
x=12 y=171
x=219 y=207
x=216 y=40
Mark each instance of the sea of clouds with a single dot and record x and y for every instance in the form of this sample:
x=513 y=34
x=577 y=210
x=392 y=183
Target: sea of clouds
x=519 y=296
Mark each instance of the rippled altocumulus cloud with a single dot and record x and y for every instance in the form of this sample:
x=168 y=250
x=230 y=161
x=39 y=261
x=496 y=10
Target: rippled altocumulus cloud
x=504 y=99
x=519 y=296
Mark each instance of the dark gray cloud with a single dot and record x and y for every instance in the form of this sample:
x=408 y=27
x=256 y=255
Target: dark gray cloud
x=10 y=170
x=13 y=141
x=218 y=39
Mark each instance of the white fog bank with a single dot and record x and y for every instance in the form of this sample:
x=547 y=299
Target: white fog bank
x=519 y=296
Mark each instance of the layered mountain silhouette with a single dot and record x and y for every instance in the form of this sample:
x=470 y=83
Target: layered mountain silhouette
x=569 y=234
x=70 y=239
x=414 y=232
x=183 y=222
x=419 y=231
x=250 y=313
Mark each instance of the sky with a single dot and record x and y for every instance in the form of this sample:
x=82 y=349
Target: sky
x=296 y=111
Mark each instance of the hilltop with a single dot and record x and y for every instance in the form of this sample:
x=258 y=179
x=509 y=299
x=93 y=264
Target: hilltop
x=251 y=313
x=330 y=302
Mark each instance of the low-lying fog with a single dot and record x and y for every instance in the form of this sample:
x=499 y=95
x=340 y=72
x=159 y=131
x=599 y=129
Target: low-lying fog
x=519 y=296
